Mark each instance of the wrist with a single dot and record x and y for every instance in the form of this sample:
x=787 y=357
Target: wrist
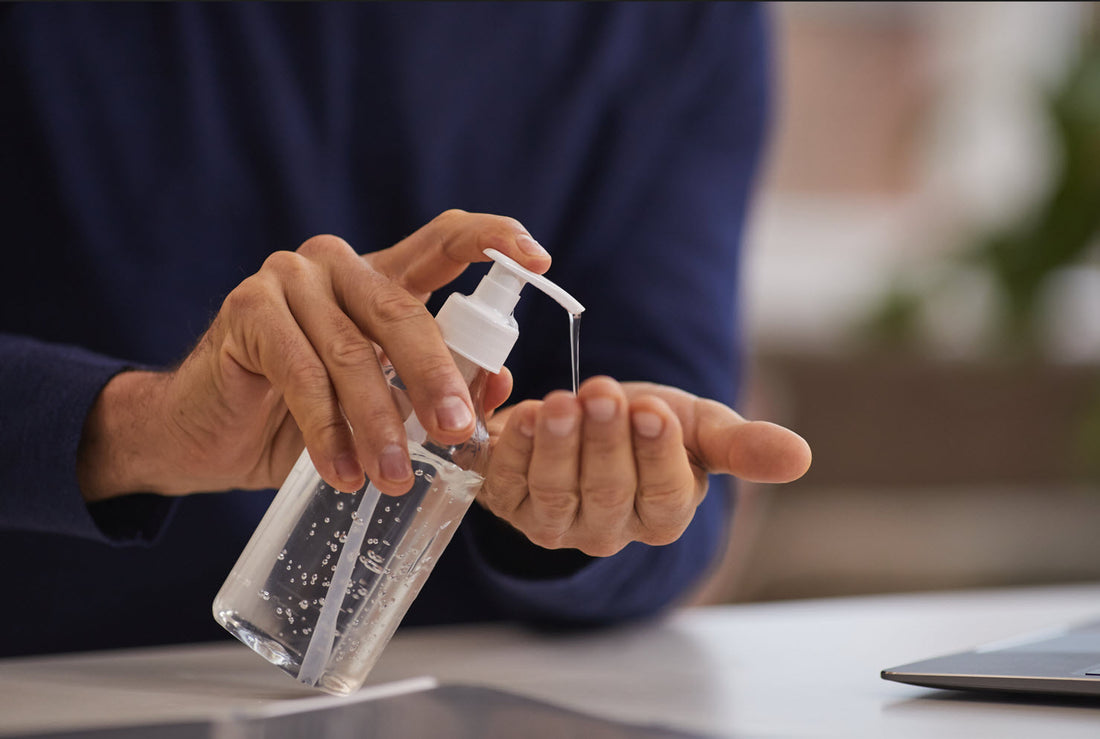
x=118 y=451
x=510 y=552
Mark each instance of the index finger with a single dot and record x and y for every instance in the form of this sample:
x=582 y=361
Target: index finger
x=438 y=252
x=394 y=318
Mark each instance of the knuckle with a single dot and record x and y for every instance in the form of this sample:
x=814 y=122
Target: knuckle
x=390 y=306
x=322 y=246
x=350 y=352
x=663 y=534
x=545 y=536
x=435 y=369
x=663 y=493
x=505 y=484
x=606 y=494
x=308 y=378
x=492 y=496
x=449 y=215
x=602 y=547
x=556 y=502
x=499 y=494
x=650 y=454
x=326 y=432
x=374 y=433
x=660 y=525
x=286 y=265
x=246 y=297
x=329 y=426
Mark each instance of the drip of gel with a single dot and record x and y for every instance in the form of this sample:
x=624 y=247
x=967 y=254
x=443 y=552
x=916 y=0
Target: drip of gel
x=575 y=349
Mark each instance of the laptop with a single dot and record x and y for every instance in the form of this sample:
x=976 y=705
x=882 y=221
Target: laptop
x=1060 y=661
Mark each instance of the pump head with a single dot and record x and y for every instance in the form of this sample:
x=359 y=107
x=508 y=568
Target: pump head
x=480 y=326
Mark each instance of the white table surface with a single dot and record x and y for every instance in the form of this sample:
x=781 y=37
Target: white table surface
x=790 y=669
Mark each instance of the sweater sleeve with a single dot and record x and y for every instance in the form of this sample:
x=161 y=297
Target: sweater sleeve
x=46 y=392
x=653 y=252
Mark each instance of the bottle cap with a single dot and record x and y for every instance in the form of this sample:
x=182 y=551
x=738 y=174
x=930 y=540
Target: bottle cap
x=480 y=326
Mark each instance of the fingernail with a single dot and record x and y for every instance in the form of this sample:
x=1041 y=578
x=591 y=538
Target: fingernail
x=394 y=463
x=600 y=409
x=453 y=414
x=561 y=425
x=527 y=427
x=648 y=425
x=347 y=467
x=530 y=247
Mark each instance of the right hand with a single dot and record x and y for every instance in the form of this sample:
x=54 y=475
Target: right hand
x=292 y=358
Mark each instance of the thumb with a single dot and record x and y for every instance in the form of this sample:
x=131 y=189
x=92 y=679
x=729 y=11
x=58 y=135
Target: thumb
x=497 y=389
x=722 y=442
x=757 y=451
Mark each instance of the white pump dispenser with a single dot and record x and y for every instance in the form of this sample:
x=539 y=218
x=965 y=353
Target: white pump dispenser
x=480 y=326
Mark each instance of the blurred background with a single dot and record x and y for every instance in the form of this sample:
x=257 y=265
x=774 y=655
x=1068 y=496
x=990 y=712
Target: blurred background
x=923 y=301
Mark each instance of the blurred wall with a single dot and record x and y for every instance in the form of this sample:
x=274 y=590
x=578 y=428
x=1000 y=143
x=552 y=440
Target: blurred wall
x=903 y=130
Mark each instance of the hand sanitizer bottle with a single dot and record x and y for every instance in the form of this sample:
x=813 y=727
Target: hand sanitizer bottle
x=327 y=576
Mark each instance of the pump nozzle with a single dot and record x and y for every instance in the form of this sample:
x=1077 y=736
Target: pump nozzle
x=505 y=265
x=480 y=326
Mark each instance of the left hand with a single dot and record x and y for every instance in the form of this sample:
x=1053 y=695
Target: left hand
x=623 y=462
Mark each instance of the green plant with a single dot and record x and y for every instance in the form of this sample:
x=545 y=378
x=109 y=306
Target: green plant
x=1020 y=259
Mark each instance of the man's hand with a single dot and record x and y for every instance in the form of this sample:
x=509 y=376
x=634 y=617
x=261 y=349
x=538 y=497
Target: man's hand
x=623 y=462
x=292 y=358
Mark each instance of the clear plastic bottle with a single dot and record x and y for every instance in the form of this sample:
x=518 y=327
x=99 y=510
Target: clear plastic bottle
x=327 y=576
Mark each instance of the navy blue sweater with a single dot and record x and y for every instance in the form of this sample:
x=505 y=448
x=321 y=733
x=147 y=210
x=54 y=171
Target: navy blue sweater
x=151 y=156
